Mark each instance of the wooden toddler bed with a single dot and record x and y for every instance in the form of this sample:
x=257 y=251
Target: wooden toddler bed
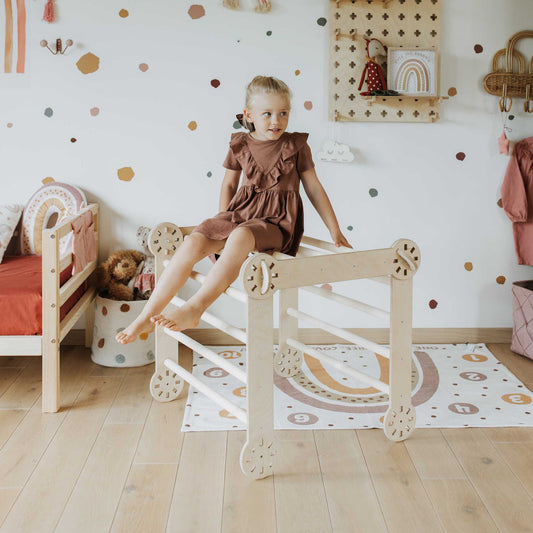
x=316 y=262
x=40 y=301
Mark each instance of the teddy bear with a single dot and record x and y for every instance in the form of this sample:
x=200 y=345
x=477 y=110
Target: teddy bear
x=115 y=276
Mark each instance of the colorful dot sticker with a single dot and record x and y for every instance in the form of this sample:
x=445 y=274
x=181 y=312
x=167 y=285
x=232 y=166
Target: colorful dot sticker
x=10 y=124
x=237 y=125
x=373 y=193
x=460 y=156
x=478 y=49
x=192 y=125
x=196 y=11
x=123 y=13
x=143 y=67
x=47 y=180
x=321 y=21
x=48 y=112
x=452 y=91
x=125 y=173
x=94 y=111
x=327 y=287
x=308 y=105
x=296 y=72
x=499 y=203
x=349 y=228
x=88 y=63
x=209 y=174
x=269 y=33
x=433 y=304
x=73 y=139
x=500 y=280
x=215 y=83
x=468 y=266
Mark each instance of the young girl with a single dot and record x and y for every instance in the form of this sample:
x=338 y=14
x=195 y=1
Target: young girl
x=265 y=214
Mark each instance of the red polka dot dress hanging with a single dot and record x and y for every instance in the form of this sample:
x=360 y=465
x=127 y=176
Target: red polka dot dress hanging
x=373 y=72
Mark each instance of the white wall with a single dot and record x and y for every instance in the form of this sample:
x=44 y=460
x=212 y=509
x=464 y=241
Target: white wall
x=424 y=193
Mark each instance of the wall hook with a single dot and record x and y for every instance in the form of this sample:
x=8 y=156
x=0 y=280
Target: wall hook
x=59 y=46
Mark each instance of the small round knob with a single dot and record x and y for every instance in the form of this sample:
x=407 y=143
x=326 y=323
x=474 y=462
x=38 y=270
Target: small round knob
x=69 y=42
x=44 y=43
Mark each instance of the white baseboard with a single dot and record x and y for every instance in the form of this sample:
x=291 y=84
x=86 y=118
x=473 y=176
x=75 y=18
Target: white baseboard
x=210 y=336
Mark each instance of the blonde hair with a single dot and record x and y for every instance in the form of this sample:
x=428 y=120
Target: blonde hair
x=261 y=85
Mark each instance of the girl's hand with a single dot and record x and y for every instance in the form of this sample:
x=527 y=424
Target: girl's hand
x=339 y=239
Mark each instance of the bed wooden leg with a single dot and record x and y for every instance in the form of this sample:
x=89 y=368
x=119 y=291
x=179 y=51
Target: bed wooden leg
x=50 y=375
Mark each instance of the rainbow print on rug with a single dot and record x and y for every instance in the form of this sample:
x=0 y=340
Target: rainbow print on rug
x=461 y=385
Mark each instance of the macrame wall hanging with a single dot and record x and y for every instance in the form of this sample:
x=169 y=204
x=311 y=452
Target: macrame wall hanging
x=49 y=15
x=262 y=6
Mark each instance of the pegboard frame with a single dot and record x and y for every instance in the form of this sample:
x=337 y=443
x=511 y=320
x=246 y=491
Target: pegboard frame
x=397 y=23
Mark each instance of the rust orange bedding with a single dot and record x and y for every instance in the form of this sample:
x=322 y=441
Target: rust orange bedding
x=21 y=295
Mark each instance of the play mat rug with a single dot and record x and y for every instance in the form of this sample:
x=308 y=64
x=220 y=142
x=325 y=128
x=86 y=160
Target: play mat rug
x=454 y=385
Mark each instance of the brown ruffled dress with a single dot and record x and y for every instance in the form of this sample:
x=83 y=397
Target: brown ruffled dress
x=268 y=201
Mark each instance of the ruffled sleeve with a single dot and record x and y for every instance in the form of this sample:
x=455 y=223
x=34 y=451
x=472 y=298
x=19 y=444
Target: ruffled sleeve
x=231 y=162
x=305 y=158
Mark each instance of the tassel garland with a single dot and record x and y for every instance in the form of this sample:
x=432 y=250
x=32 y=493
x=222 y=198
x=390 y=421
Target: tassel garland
x=49 y=11
x=263 y=6
x=232 y=4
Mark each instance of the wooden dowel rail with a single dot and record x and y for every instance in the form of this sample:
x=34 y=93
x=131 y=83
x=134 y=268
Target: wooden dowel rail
x=339 y=332
x=344 y=300
x=65 y=262
x=324 y=245
x=380 y=385
x=204 y=389
x=218 y=323
x=208 y=354
x=72 y=285
x=76 y=312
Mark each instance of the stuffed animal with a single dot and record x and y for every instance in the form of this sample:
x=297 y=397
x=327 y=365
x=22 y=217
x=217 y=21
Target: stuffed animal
x=376 y=55
x=115 y=276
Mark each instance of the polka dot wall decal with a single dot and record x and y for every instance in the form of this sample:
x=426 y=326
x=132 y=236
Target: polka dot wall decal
x=433 y=304
x=321 y=21
x=511 y=117
x=373 y=193
x=269 y=33
x=10 y=124
x=88 y=63
x=308 y=105
x=468 y=266
x=196 y=11
x=192 y=125
x=143 y=336
x=48 y=112
x=237 y=125
x=123 y=13
x=143 y=67
x=478 y=49
x=500 y=280
x=94 y=111
x=327 y=287
x=349 y=228
x=215 y=83
x=47 y=180
x=452 y=91
x=125 y=173
x=500 y=203
x=73 y=139
x=296 y=72
x=460 y=156
x=209 y=174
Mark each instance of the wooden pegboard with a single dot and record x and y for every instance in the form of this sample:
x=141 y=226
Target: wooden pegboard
x=406 y=23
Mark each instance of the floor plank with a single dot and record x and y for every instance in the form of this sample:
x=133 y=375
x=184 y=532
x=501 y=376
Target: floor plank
x=8 y=376
x=26 y=387
x=498 y=487
x=9 y=421
x=519 y=457
x=41 y=502
x=199 y=490
x=248 y=504
x=352 y=501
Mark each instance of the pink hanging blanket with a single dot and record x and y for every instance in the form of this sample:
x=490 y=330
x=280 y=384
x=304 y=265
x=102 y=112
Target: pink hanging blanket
x=84 y=242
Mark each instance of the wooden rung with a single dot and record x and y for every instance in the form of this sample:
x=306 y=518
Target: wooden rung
x=344 y=300
x=380 y=385
x=384 y=280
x=72 y=285
x=76 y=312
x=218 y=323
x=339 y=332
x=236 y=294
x=323 y=245
x=209 y=354
x=204 y=389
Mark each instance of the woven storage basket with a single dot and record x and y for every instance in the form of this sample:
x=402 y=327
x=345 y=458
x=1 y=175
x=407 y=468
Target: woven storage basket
x=522 y=341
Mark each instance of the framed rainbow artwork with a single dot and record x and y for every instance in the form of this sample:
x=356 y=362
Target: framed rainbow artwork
x=413 y=71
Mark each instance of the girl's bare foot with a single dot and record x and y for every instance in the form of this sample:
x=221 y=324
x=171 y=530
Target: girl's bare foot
x=138 y=326
x=179 y=319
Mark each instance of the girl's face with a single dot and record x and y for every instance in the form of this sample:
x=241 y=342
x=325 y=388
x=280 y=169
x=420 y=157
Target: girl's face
x=269 y=114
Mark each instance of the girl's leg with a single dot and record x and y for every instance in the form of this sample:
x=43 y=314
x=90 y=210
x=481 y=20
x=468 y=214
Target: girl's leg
x=194 y=248
x=238 y=245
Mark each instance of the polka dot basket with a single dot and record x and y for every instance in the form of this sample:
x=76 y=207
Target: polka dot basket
x=111 y=317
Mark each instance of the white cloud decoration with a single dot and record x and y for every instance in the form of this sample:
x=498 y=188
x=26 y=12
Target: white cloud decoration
x=333 y=151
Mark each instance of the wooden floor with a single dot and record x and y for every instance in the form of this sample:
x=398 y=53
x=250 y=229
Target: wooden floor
x=114 y=460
